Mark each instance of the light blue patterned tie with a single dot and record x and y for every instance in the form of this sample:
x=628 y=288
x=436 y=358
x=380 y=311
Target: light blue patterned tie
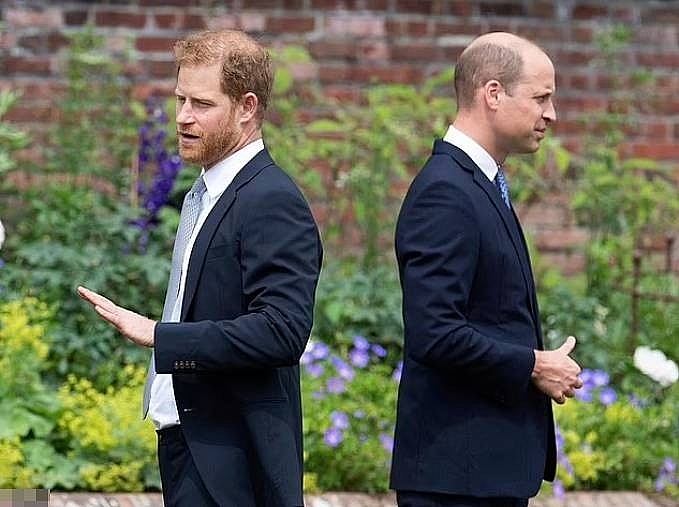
x=503 y=186
x=187 y=221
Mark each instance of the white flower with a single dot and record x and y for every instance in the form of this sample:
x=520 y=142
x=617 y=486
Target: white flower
x=2 y=234
x=656 y=365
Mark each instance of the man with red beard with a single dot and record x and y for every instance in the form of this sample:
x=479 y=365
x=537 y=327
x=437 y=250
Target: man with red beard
x=223 y=387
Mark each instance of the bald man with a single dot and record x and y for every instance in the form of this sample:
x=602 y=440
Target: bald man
x=474 y=424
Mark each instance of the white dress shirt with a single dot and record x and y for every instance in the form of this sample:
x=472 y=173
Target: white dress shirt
x=162 y=405
x=476 y=152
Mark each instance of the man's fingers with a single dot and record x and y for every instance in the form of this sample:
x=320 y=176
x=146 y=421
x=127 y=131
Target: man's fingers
x=95 y=299
x=568 y=345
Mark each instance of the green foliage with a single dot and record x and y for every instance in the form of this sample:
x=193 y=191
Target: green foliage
x=353 y=301
x=114 y=446
x=348 y=420
x=77 y=236
x=11 y=138
x=621 y=446
x=96 y=129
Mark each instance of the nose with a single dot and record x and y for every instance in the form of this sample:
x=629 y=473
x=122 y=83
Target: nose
x=549 y=114
x=184 y=112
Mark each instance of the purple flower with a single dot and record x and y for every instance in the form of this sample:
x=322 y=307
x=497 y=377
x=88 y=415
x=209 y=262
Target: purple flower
x=387 y=442
x=378 y=350
x=361 y=343
x=318 y=395
x=636 y=401
x=359 y=357
x=608 y=396
x=315 y=369
x=319 y=350
x=343 y=369
x=558 y=489
x=600 y=378
x=333 y=437
x=359 y=414
x=584 y=394
x=669 y=466
x=336 y=385
x=339 y=420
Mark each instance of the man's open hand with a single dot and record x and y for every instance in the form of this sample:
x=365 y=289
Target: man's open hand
x=136 y=327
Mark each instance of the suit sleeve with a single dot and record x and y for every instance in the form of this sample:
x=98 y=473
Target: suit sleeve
x=438 y=244
x=280 y=262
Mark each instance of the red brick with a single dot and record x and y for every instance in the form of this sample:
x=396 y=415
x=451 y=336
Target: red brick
x=573 y=57
x=193 y=22
x=583 y=34
x=623 y=14
x=669 y=60
x=160 y=68
x=260 y=4
x=457 y=8
x=29 y=113
x=652 y=15
x=560 y=239
x=373 y=50
x=166 y=21
x=403 y=28
x=354 y=24
x=569 y=263
x=543 y=9
x=502 y=9
x=56 y=41
x=170 y=3
x=32 y=18
x=656 y=129
x=577 y=82
x=333 y=49
x=124 y=19
x=415 y=6
x=333 y=73
x=416 y=52
x=290 y=24
x=457 y=28
x=390 y=74
x=589 y=11
x=18 y=65
x=333 y=4
x=75 y=18
x=143 y=91
x=155 y=44
x=656 y=150
x=343 y=93
x=34 y=43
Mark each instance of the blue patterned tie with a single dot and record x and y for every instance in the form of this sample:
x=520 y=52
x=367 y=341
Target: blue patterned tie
x=503 y=186
x=187 y=221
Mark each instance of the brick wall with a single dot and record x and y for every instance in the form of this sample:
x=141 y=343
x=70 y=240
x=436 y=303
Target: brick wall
x=355 y=41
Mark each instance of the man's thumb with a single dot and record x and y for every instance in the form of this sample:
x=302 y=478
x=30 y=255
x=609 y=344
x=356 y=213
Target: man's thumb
x=568 y=345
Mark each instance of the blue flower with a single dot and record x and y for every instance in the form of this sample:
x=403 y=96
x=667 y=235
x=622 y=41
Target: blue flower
x=608 y=396
x=339 y=420
x=361 y=343
x=315 y=369
x=378 y=350
x=336 y=385
x=343 y=369
x=359 y=357
x=319 y=350
x=559 y=491
x=333 y=437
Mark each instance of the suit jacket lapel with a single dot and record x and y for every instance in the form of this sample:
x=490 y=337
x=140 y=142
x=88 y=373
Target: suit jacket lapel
x=214 y=218
x=509 y=220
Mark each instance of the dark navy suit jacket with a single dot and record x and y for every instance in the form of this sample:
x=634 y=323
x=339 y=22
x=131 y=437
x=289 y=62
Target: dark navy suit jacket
x=246 y=318
x=470 y=421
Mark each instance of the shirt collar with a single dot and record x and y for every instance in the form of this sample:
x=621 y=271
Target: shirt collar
x=476 y=152
x=220 y=175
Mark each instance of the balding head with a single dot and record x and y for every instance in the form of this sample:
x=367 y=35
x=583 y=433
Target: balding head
x=496 y=55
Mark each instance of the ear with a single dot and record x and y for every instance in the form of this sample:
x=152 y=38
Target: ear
x=492 y=93
x=249 y=104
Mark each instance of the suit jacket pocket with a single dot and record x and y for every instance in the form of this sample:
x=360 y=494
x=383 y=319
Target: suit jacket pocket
x=258 y=386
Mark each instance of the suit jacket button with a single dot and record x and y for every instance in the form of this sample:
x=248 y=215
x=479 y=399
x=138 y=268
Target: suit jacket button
x=176 y=365
x=193 y=365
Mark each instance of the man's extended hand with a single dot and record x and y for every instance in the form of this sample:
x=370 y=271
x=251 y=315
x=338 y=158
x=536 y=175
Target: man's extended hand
x=136 y=327
x=555 y=373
